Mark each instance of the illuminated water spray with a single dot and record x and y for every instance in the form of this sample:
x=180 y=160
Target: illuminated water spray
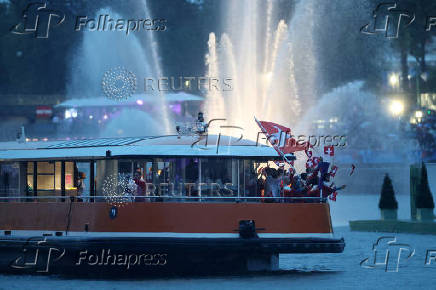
x=264 y=59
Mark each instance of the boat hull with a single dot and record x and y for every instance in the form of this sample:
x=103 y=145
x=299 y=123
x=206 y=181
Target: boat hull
x=99 y=257
x=94 y=239
x=165 y=217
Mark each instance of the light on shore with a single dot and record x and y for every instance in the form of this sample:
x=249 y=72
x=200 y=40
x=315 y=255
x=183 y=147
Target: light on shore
x=396 y=107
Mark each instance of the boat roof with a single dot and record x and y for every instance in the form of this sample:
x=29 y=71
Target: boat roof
x=150 y=146
x=146 y=98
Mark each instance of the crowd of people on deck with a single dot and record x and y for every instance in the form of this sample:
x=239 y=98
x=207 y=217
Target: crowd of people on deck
x=267 y=183
x=289 y=186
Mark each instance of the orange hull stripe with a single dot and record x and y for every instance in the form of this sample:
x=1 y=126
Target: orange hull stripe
x=166 y=217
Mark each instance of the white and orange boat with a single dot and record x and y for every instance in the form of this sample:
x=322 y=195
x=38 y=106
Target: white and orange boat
x=149 y=205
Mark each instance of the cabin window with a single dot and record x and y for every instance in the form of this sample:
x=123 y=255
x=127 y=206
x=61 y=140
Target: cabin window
x=69 y=176
x=49 y=179
x=46 y=176
x=230 y=178
x=30 y=176
x=252 y=180
x=10 y=179
x=219 y=177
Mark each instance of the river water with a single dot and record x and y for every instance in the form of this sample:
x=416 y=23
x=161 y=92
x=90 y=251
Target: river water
x=320 y=271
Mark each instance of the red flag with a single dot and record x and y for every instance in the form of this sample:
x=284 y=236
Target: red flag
x=292 y=146
x=309 y=153
x=280 y=137
x=312 y=162
x=333 y=196
x=329 y=150
x=333 y=171
x=352 y=169
x=309 y=163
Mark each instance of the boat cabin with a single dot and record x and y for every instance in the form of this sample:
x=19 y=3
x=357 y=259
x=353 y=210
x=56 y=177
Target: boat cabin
x=137 y=169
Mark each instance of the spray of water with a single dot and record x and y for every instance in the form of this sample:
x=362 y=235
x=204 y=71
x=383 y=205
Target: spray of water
x=103 y=51
x=260 y=61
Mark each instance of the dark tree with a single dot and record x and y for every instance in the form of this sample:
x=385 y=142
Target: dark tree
x=424 y=198
x=387 y=196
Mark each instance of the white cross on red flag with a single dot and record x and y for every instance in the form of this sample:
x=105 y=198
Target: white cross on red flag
x=309 y=163
x=312 y=162
x=329 y=150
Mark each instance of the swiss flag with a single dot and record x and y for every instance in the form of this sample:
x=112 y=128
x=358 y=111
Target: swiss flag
x=333 y=171
x=312 y=162
x=329 y=150
x=309 y=163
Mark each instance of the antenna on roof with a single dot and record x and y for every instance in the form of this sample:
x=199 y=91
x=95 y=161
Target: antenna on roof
x=21 y=136
x=196 y=128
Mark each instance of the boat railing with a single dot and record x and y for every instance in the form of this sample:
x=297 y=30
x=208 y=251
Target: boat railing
x=160 y=198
